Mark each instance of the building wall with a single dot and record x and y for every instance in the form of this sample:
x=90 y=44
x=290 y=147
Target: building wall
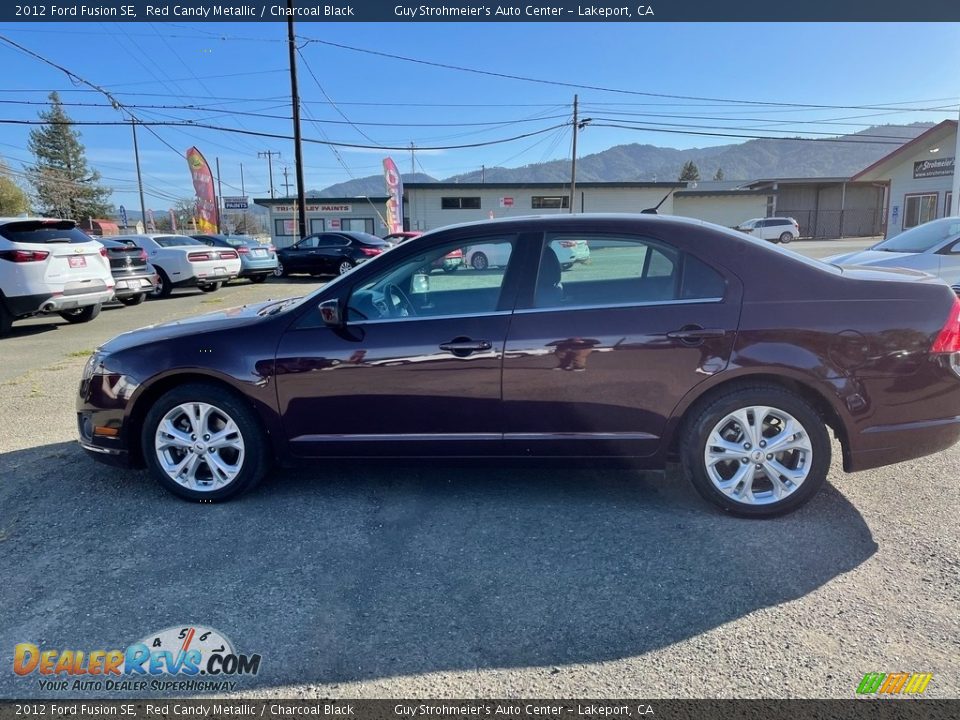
x=325 y=215
x=424 y=211
x=721 y=209
x=903 y=183
x=827 y=211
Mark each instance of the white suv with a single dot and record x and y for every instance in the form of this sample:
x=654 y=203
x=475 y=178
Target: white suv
x=50 y=266
x=774 y=229
x=182 y=261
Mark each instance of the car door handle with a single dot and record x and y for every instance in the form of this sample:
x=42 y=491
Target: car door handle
x=461 y=347
x=693 y=333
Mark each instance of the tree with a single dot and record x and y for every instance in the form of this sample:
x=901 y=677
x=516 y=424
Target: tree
x=13 y=200
x=690 y=172
x=186 y=211
x=63 y=183
x=719 y=174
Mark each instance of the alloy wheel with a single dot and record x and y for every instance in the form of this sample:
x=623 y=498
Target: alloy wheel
x=199 y=446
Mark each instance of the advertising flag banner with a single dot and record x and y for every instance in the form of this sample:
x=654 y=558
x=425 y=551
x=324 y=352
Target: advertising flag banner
x=173 y=220
x=151 y=224
x=395 y=191
x=206 y=197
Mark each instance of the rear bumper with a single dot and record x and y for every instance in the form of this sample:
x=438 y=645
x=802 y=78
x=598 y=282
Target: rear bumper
x=204 y=280
x=887 y=444
x=127 y=286
x=26 y=305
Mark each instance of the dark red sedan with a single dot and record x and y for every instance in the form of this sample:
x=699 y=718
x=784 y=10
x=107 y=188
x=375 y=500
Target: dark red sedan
x=679 y=340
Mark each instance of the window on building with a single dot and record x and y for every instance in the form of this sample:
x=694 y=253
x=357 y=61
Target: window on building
x=918 y=209
x=357 y=224
x=460 y=203
x=549 y=202
x=948 y=205
x=317 y=225
x=284 y=227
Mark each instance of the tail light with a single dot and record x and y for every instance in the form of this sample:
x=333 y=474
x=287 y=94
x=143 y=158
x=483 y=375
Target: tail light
x=143 y=255
x=243 y=250
x=24 y=256
x=198 y=257
x=103 y=252
x=228 y=255
x=271 y=249
x=568 y=243
x=370 y=252
x=948 y=341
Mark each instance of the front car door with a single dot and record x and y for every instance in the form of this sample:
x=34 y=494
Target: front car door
x=297 y=258
x=416 y=368
x=331 y=250
x=599 y=355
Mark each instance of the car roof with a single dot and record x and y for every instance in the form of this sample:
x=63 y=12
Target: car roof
x=581 y=220
x=8 y=220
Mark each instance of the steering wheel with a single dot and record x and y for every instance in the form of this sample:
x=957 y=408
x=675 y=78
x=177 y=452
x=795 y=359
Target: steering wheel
x=398 y=304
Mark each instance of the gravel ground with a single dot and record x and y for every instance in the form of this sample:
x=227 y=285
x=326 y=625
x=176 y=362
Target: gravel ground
x=449 y=580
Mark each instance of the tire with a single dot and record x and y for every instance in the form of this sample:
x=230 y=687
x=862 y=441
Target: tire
x=245 y=453
x=6 y=319
x=479 y=261
x=163 y=288
x=257 y=279
x=724 y=483
x=345 y=266
x=280 y=271
x=131 y=300
x=81 y=315
x=210 y=287
x=786 y=237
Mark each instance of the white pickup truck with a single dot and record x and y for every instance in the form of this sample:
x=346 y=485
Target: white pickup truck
x=182 y=261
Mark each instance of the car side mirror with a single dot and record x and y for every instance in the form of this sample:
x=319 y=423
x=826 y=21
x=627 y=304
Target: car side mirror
x=330 y=313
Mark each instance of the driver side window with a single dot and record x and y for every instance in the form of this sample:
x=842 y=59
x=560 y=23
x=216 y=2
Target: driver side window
x=439 y=282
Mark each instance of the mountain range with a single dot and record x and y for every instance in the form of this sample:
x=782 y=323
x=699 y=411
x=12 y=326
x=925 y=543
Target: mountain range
x=839 y=156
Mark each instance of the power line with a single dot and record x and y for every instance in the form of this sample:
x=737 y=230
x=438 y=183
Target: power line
x=749 y=137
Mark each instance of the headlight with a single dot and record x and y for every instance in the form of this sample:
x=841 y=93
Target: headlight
x=94 y=364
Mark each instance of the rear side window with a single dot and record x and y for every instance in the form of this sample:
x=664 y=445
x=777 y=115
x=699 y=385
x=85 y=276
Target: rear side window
x=40 y=232
x=615 y=270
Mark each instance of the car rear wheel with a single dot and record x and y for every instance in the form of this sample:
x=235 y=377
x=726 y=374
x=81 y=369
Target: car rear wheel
x=210 y=287
x=344 y=267
x=257 y=278
x=133 y=299
x=204 y=443
x=81 y=315
x=756 y=452
x=786 y=237
x=163 y=287
x=479 y=261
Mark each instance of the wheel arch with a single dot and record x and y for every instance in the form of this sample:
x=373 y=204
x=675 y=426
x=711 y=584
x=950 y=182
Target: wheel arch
x=818 y=399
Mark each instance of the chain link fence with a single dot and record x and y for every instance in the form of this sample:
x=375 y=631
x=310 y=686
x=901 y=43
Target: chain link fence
x=836 y=223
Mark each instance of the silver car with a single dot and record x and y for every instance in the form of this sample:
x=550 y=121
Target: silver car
x=933 y=247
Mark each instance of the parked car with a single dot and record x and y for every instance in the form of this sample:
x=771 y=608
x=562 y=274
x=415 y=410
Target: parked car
x=571 y=251
x=134 y=277
x=689 y=342
x=933 y=247
x=50 y=266
x=448 y=263
x=329 y=253
x=257 y=261
x=398 y=237
x=774 y=229
x=182 y=261
x=568 y=251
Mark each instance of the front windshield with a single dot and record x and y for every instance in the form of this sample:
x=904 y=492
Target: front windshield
x=923 y=237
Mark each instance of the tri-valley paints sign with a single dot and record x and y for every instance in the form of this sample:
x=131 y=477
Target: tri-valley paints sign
x=933 y=168
x=315 y=208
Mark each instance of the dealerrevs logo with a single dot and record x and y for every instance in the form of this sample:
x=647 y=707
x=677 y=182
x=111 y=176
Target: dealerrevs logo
x=185 y=653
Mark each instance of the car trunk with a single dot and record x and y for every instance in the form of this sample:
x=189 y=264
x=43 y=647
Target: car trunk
x=126 y=258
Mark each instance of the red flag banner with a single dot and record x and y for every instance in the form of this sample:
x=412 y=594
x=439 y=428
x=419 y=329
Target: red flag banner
x=395 y=190
x=206 y=197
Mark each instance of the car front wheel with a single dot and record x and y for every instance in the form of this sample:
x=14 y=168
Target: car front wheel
x=81 y=315
x=280 y=271
x=344 y=267
x=756 y=452
x=204 y=443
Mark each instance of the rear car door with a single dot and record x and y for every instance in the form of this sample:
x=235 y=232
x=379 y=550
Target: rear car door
x=599 y=355
x=414 y=371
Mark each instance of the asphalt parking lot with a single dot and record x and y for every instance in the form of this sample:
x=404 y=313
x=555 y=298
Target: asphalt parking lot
x=460 y=580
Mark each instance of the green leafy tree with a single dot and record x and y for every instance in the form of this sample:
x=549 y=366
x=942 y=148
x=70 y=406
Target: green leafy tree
x=719 y=174
x=13 y=200
x=690 y=172
x=63 y=183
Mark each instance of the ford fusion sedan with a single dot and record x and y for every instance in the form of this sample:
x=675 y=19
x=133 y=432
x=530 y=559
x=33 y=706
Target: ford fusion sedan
x=680 y=341
x=330 y=253
x=933 y=247
x=181 y=261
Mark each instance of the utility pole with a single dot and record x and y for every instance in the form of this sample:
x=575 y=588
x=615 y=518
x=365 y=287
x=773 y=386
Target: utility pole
x=573 y=164
x=242 y=189
x=412 y=158
x=286 y=183
x=269 y=155
x=297 y=146
x=483 y=174
x=219 y=195
x=136 y=158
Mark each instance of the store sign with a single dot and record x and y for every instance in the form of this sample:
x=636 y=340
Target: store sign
x=235 y=203
x=315 y=208
x=506 y=202
x=940 y=167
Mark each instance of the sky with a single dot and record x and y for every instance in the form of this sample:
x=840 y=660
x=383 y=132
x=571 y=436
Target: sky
x=226 y=69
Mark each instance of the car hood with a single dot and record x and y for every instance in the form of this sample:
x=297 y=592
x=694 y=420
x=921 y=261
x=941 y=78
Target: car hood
x=193 y=326
x=871 y=257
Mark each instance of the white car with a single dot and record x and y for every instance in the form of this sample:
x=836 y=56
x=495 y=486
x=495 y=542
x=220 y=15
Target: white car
x=49 y=265
x=774 y=229
x=481 y=257
x=182 y=261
